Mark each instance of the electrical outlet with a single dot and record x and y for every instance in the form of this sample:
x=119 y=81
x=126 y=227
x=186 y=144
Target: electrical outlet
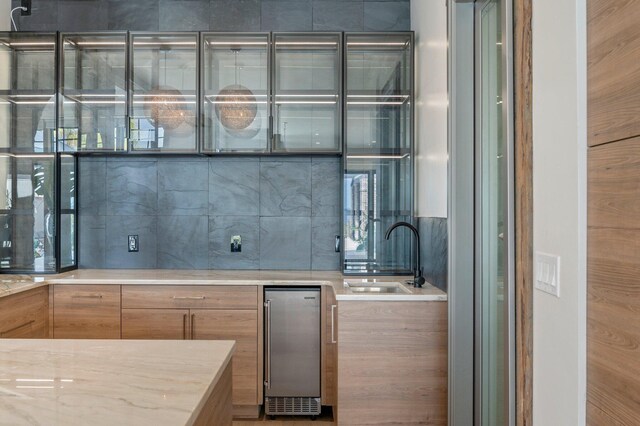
x=236 y=244
x=133 y=245
x=27 y=4
x=548 y=273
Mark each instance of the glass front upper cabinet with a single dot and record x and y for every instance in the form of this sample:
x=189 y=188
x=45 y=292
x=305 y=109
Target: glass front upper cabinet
x=235 y=86
x=378 y=180
x=307 y=82
x=163 y=92
x=93 y=110
x=27 y=152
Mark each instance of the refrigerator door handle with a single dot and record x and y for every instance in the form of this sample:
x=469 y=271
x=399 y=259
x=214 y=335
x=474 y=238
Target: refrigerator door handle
x=267 y=312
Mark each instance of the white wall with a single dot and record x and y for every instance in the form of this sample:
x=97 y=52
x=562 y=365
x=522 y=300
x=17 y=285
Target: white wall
x=5 y=7
x=429 y=21
x=559 y=155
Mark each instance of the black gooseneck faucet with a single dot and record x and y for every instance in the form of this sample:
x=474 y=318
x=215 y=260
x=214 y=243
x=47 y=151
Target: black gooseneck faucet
x=418 y=279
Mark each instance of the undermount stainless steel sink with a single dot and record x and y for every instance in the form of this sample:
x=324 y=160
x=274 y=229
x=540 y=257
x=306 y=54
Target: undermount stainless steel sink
x=378 y=288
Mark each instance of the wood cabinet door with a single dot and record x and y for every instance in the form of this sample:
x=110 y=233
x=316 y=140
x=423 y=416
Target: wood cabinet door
x=25 y=315
x=167 y=324
x=86 y=311
x=329 y=348
x=241 y=326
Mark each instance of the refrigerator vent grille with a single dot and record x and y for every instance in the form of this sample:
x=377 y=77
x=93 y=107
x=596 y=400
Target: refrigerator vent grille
x=293 y=406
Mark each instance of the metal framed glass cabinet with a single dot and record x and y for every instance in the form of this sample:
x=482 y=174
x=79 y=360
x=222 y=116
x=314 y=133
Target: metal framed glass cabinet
x=30 y=224
x=93 y=92
x=235 y=92
x=378 y=160
x=307 y=87
x=163 y=92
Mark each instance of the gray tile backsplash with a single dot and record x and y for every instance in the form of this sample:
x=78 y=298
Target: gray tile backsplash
x=186 y=209
x=216 y=15
x=434 y=250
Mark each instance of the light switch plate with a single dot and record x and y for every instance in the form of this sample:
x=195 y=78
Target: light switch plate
x=548 y=273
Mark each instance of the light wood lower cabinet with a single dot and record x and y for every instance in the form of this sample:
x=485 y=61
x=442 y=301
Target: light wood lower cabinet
x=25 y=315
x=392 y=363
x=86 y=311
x=163 y=324
x=203 y=313
x=241 y=326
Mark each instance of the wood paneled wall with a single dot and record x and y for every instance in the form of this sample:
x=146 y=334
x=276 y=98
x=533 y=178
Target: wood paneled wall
x=613 y=310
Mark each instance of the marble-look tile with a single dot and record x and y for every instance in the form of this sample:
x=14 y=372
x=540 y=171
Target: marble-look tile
x=287 y=15
x=92 y=179
x=285 y=243
x=323 y=235
x=183 y=242
x=338 y=15
x=184 y=15
x=387 y=16
x=82 y=15
x=235 y=15
x=221 y=229
x=132 y=187
x=91 y=241
x=183 y=187
x=126 y=15
x=285 y=188
x=434 y=250
x=44 y=16
x=118 y=228
x=326 y=181
x=233 y=187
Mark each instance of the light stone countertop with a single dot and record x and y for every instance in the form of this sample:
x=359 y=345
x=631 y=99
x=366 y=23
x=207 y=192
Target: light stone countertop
x=335 y=279
x=108 y=382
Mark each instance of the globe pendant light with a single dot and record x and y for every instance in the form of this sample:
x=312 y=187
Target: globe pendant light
x=166 y=105
x=236 y=106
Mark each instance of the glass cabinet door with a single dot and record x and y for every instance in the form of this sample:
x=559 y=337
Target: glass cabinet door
x=93 y=113
x=307 y=86
x=235 y=92
x=27 y=152
x=68 y=217
x=163 y=89
x=378 y=184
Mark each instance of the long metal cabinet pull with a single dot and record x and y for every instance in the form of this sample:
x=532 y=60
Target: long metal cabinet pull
x=189 y=297
x=193 y=325
x=333 y=335
x=267 y=311
x=86 y=296
x=2 y=333
x=184 y=327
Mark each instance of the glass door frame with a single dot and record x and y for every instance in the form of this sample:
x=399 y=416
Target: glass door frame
x=508 y=190
x=341 y=49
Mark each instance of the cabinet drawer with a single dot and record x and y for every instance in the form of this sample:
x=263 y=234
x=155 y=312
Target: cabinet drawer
x=179 y=296
x=165 y=324
x=25 y=315
x=86 y=311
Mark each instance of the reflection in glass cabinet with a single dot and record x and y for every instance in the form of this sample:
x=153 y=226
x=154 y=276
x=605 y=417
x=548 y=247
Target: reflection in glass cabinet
x=164 y=75
x=378 y=184
x=307 y=87
x=235 y=92
x=93 y=92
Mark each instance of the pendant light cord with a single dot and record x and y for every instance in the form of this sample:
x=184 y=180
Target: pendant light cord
x=15 y=28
